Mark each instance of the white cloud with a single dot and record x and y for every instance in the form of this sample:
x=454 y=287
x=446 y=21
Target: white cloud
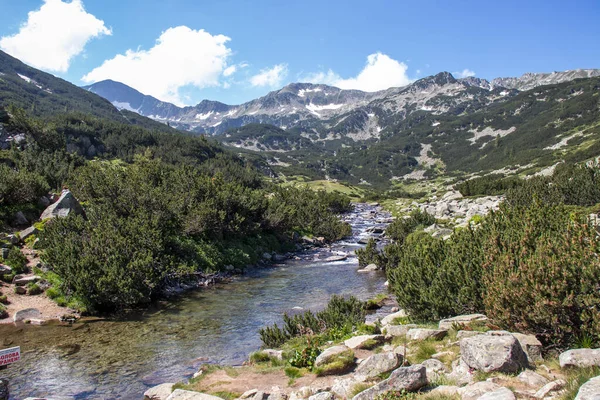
x=230 y=70
x=180 y=57
x=53 y=35
x=270 y=76
x=381 y=72
x=465 y=73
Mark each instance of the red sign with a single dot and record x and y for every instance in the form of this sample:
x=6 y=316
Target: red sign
x=9 y=356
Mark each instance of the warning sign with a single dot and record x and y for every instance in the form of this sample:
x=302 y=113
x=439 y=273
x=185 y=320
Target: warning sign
x=9 y=356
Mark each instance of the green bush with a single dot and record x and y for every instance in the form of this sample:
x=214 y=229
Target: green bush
x=306 y=357
x=3 y=312
x=489 y=185
x=3 y=299
x=400 y=228
x=16 y=260
x=369 y=255
x=33 y=289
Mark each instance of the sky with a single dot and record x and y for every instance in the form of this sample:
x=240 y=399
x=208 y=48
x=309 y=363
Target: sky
x=184 y=51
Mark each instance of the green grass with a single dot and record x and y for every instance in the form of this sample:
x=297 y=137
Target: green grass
x=576 y=378
x=359 y=387
x=343 y=363
x=424 y=351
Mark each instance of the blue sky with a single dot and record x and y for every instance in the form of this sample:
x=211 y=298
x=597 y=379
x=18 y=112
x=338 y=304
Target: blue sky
x=184 y=51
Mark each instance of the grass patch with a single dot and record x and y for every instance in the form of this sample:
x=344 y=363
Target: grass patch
x=227 y=395
x=359 y=387
x=342 y=364
x=576 y=378
x=424 y=350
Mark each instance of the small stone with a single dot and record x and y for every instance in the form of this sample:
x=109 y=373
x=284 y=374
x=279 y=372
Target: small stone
x=532 y=379
x=20 y=290
x=550 y=387
x=498 y=394
x=335 y=258
x=369 y=268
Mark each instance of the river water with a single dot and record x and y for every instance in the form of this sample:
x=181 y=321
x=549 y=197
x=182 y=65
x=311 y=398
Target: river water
x=121 y=358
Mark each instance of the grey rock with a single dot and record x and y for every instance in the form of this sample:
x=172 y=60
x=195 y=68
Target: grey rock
x=20 y=290
x=343 y=387
x=580 y=358
x=160 y=392
x=461 y=320
x=377 y=364
x=389 y=319
x=276 y=354
x=476 y=390
x=25 y=233
x=434 y=369
x=397 y=330
x=249 y=394
x=358 y=342
x=466 y=334
x=498 y=394
x=66 y=204
x=336 y=258
x=424 y=334
x=369 y=268
x=493 y=353
x=21 y=280
x=277 y=395
x=329 y=354
x=180 y=394
x=461 y=372
x=553 y=386
x=20 y=219
x=26 y=314
x=409 y=378
x=532 y=379
x=589 y=390
x=322 y=396
x=5 y=270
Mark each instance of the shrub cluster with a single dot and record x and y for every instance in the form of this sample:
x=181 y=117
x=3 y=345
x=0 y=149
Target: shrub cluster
x=489 y=185
x=531 y=266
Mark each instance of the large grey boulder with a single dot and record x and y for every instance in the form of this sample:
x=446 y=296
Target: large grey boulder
x=580 y=358
x=448 y=323
x=408 y=378
x=389 y=319
x=180 y=394
x=377 y=364
x=359 y=342
x=490 y=353
x=397 y=330
x=66 y=204
x=498 y=394
x=26 y=314
x=343 y=387
x=434 y=369
x=21 y=280
x=424 y=334
x=532 y=379
x=589 y=390
x=476 y=390
x=330 y=354
x=160 y=392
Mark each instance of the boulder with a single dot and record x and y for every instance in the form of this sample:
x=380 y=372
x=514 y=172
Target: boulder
x=26 y=314
x=359 y=342
x=408 y=378
x=329 y=355
x=335 y=258
x=20 y=290
x=389 y=319
x=498 y=394
x=249 y=394
x=160 y=392
x=180 y=394
x=397 y=330
x=20 y=219
x=532 y=379
x=5 y=270
x=553 y=386
x=531 y=346
x=276 y=354
x=490 y=353
x=461 y=373
x=21 y=280
x=277 y=394
x=448 y=323
x=343 y=387
x=589 y=390
x=369 y=268
x=434 y=369
x=25 y=233
x=424 y=334
x=580 y=358
x=322 y=396
x=476 y=390
x=377 y=364
x=64 y=206
x=465 y=334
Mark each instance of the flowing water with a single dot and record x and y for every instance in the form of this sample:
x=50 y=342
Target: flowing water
x=121 y=358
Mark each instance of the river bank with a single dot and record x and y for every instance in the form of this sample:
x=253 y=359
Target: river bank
x=121 y=357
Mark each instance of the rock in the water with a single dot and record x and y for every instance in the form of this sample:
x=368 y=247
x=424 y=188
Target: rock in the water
x=434 y=369
x=424 y=334
x=377 y=364
x=66 y=204
x=580 y=358
x=160 y=392
x=25 y=233
x=369 y=268
x=553 y=386
x=489 y=353
x=589 y=390
x=26 y=314
x=360 y=342
x=389 y=319
x=180 y=394
x=459 y=320
x=322 y=396
x=329 y=355
x=499 y=394
x=408 y=378
x=335 y=258
x=476 y=390
x=532 y=379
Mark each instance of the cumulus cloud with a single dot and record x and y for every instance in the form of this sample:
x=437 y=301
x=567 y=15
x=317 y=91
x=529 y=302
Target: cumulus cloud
x=180 y=57
x=272 y=77
x=381 y=72
x=465 y=73
x=230 y=70
x=53 y=35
